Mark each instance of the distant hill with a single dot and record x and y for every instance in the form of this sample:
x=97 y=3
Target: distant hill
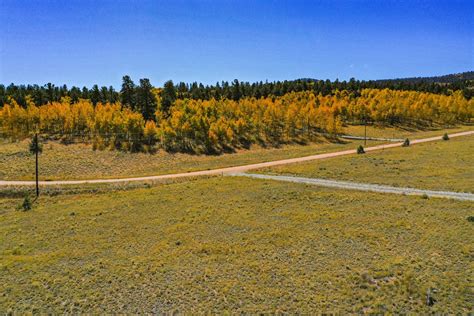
x=236 y=89
x=451 y=78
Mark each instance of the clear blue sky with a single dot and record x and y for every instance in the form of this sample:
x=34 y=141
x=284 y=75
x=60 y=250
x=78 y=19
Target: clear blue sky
x=82 y=42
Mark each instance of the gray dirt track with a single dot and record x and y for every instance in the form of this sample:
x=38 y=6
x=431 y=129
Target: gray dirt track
x=362 y=186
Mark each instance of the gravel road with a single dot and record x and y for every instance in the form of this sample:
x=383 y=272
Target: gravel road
x=362 y=186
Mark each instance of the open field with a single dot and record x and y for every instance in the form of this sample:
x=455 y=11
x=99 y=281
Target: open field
x=79 y=161
x=265 y=247
x=440 y=165
x=236 y=158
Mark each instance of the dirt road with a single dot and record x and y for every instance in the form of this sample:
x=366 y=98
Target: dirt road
x=362 y=186
x=229 y=170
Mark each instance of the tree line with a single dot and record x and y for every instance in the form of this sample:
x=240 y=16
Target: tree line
x=164 y=121
x=235 y=90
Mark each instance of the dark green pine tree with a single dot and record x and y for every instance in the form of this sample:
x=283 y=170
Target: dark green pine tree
x=50 y=92
x=85 y=93
x=146 y=101
x=236 y=93
x=195 y=93
x=168 y=96
x=113 y=95
x=104 y=94
x=95 y=94
x=182 y=90
x=128 y=93
x=75 y=94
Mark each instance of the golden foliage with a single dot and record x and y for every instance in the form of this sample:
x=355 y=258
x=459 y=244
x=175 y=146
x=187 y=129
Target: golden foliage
x=218 y=125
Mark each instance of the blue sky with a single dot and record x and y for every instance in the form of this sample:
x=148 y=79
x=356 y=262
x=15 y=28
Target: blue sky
x=82 y=42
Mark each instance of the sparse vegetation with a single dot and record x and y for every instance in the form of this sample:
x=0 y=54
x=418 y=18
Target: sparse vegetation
x=146 y=198
x=78 y=161
x=265 y=247
x=26 y=205
x=35 y=146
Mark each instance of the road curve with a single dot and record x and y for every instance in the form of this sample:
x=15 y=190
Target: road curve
x=228 y=170
x=362 y=186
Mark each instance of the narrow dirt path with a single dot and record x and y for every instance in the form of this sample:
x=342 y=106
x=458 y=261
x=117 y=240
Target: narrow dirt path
x=362 y=186
x=372 y=138
x=229 y=170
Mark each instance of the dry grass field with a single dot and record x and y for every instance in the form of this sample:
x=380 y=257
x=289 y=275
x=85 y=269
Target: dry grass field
x=236 y=157
x=236 y=245
x=79 y=161
x=441 y=165
x=239 y=245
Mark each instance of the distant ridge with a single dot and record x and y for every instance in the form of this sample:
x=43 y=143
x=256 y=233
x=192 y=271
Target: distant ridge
x=451 y=78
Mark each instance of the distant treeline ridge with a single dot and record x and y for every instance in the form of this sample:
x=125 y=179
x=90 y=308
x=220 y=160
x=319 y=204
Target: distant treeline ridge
x=234 y=90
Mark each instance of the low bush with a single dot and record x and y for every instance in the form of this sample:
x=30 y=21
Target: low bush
x=26 y=205
x=445 y=136
x=360 y=150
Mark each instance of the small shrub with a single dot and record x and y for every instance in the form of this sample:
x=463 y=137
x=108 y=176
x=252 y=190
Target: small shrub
x=470 y=219
x=35 y=146
x=16 y=251
x=430 y=300
x=445 y=136
x=406 y=143
x=26 y=205
x=360 y=150
x=424 y=196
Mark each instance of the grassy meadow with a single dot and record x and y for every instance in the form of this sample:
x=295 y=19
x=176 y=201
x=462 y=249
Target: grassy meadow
x=264 y=247
x=441 y=165
x=79 y=161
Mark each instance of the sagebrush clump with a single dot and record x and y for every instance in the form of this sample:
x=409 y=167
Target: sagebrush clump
x=26 y=205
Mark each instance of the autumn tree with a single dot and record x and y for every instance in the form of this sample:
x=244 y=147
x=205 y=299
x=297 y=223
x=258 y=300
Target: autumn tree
x=217 y=125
